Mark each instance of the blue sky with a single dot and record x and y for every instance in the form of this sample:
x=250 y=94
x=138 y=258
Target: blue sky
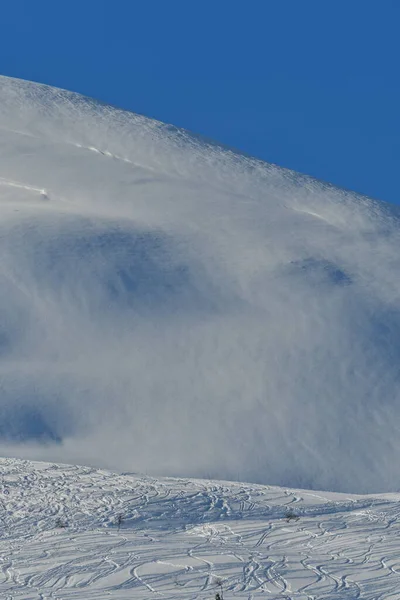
x=313 y=85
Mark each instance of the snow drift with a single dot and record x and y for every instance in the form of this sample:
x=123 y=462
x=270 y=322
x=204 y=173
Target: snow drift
x=171 y=306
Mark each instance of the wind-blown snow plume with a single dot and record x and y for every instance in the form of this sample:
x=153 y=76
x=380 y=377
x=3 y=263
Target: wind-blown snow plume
x=173 y=307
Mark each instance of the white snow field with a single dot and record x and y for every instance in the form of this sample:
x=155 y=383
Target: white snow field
x=179 y=538
x=172 y=307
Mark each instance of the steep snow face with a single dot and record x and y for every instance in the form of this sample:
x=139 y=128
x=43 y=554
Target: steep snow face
x=172 y=307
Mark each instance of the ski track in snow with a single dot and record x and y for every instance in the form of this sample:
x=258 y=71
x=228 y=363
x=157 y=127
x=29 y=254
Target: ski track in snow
x=23 y=186
x=179 y=537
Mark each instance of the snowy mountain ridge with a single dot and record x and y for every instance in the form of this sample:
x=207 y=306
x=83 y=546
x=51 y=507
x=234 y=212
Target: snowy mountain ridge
x=174 y=308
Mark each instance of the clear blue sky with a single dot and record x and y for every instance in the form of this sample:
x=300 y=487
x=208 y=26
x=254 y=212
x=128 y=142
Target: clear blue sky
x=313 y=85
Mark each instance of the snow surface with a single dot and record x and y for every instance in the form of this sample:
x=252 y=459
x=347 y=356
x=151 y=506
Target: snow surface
x=169 y=306
x=179 y=537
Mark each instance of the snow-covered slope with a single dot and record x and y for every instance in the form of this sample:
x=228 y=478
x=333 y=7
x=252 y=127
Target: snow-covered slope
x=59 y=538
x=172 y=307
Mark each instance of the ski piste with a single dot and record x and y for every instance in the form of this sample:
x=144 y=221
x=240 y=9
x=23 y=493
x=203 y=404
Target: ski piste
x=70 y=532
